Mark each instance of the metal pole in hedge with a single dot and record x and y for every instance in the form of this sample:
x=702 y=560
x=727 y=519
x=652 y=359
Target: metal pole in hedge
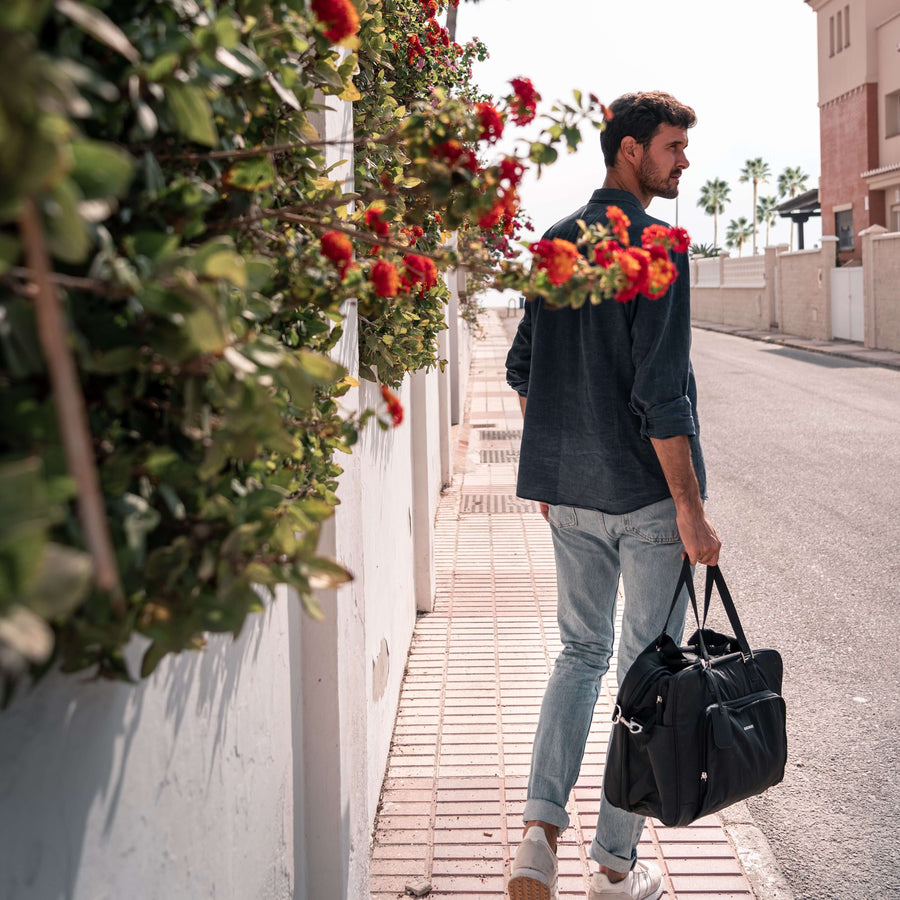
x=70 y=407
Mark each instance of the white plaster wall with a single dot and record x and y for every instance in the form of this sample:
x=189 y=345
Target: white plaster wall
x=179 y=786
x=390 y=608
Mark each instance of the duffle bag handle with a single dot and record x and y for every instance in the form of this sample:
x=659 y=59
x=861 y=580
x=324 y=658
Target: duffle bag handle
x=685 y=579
x=714 y=577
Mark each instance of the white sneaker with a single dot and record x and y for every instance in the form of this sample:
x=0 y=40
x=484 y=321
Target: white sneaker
x=643 y=882
x=534 y=868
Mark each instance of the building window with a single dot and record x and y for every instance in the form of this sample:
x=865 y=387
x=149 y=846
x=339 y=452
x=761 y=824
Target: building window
x=840 y=31
x=843 y=228
x=831 y=36
x=892 y=114
x=846 y=26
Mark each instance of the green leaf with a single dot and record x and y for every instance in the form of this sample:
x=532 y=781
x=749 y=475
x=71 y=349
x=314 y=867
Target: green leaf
x=67 y=236
x=101 y=169
x=192 y=112
x=254 y=174
x=228 y=265
x=99 y=26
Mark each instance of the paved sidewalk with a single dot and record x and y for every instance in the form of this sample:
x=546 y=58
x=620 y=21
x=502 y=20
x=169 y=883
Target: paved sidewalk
x=451 y=809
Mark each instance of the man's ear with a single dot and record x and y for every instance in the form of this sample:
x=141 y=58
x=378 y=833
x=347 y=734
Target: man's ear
x=630 y=149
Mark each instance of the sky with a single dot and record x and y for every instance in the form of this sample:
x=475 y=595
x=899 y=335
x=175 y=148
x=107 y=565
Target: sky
x=748 y=70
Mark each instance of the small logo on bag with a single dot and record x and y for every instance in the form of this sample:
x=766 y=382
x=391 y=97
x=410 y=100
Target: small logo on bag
x=749 y=727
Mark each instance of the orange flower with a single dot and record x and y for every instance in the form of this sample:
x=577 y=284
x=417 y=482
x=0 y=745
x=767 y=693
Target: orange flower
x=634 y=263
x=420 y=270
x=395 y=407
x=557 y=258
x=661 y=273
x=340 y=16
x=386 y=278
x=491 y=122
x=655 y=236
x=618 y=223
x=676 y=239
x=336 y=246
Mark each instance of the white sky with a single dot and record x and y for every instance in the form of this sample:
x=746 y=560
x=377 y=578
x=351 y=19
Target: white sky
x=747 y=69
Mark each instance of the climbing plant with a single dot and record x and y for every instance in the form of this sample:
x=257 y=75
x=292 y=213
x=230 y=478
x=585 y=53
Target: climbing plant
x=175 y=257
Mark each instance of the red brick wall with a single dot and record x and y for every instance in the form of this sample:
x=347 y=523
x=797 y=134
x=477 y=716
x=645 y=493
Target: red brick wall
x=849 y=144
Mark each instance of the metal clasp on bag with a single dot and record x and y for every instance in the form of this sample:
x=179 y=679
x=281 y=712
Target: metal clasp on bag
x=631 y=725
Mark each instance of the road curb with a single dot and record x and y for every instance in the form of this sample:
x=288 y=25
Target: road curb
x=760 y=866
x=886 y=359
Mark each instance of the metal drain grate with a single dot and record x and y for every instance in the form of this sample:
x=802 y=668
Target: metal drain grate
x=499 y=435
x=495 y=503
x=499 y=456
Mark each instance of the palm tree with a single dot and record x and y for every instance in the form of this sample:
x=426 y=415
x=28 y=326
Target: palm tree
x=767 y=213
x=757 y=171
x=739 y=231
x=713 y=197
x=790 y=183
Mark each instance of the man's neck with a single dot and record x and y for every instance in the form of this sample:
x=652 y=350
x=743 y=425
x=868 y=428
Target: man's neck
x=625 y=181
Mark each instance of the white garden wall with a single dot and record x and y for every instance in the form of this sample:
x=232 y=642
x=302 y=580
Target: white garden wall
x=250 y=770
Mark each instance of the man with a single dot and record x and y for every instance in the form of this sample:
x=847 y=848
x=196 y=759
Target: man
x=611 y=451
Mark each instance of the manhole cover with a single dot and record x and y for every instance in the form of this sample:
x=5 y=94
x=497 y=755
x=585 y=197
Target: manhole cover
x=496 y=504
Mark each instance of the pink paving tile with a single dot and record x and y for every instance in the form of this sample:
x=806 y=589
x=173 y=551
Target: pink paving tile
x=452 y=802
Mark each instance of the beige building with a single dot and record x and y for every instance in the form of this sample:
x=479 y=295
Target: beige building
x=859 y=104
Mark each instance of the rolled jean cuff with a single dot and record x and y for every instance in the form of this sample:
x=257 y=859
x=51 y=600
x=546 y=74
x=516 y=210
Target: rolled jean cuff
x=610 y=860
x=546 y=811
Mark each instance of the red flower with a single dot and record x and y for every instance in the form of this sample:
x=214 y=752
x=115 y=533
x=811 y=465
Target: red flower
x=340 y=16
x=618 y=223
x=336 y=246
x=491 y=122
x=430 y=7
x=523 y=104
x=373 y=219
x=415 y=48
x=385 y=278
x=453 y=153
x=606 y=254
x=395 y=408
x=511 y=170
x=505 y=206
x=420 y=270
x=681 y=240
x=556 y=257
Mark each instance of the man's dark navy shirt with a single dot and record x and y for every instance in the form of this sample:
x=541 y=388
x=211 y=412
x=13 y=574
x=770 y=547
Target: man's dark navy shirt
x=601 y=381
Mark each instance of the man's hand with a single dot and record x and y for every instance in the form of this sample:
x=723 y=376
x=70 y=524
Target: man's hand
x=545 y=511
x=701 y=543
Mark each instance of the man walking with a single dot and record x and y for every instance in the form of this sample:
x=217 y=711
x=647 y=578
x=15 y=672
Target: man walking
x=611 y=451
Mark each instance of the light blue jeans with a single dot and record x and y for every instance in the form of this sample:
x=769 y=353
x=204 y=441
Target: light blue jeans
x=592 y=549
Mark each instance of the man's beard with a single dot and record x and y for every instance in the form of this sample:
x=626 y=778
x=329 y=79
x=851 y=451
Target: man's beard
x=653 y=183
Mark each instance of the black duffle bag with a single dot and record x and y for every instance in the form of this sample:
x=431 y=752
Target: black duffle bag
x=698 y=727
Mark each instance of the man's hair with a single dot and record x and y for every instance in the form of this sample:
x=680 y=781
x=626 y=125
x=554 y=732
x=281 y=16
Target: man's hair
x=639 y=116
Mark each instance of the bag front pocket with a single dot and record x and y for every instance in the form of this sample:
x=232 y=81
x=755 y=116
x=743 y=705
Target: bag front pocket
x=746 y=749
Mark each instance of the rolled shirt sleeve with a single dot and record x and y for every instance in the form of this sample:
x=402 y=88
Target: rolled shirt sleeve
x=663 y=383
x=518 y=360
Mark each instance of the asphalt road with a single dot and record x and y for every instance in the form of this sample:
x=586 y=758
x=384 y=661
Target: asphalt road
x=803 y=458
